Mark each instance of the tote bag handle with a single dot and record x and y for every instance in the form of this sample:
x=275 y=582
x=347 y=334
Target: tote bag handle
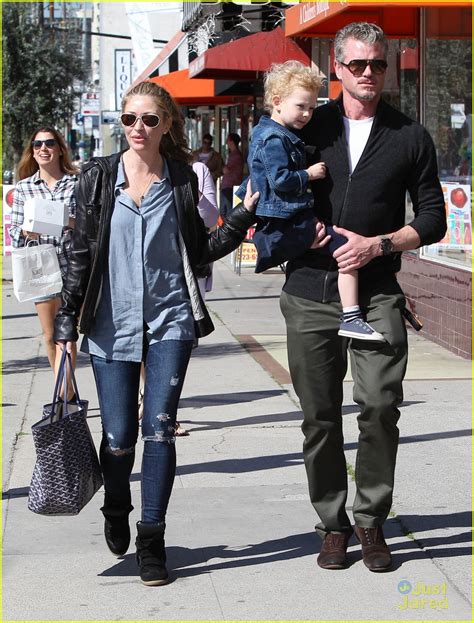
x=62 y=379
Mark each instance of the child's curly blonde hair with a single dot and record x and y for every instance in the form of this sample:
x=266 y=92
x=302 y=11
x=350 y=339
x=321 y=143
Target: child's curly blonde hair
x=282 y=78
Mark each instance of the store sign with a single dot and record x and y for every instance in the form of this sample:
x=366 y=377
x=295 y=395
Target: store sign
x=8 y=190
x=110 y=116
x=197 y=65
x=123 y=75
x=457 y=201
x=310 y=11
x=90 y=104
x=249 y=254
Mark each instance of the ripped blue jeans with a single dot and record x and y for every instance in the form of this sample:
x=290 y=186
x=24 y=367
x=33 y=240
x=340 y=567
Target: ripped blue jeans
x=117 y=387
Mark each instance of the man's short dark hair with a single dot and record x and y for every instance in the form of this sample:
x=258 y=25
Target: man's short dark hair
x=208 y=138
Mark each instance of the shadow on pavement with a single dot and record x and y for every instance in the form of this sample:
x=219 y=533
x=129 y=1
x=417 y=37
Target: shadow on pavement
x=180 y=558
x=20 y=366
x=212 y=400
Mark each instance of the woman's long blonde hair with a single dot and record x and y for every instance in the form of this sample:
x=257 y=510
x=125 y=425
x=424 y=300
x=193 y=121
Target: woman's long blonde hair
x=173 y=143
x=28 y=165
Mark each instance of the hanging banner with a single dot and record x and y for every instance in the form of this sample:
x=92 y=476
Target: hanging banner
x=123 y=75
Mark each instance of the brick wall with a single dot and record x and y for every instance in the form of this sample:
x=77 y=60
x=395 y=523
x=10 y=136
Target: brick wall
x=443 y=300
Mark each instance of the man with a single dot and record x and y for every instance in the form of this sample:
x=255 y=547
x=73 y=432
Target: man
x=210 y=157
x=373 y=154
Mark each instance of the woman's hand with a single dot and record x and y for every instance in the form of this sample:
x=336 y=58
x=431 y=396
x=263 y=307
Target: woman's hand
x=250 y=199
x=31 y=235
x=67 y=344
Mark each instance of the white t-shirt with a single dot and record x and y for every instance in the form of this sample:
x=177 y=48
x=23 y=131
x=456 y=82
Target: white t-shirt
x=357 y=133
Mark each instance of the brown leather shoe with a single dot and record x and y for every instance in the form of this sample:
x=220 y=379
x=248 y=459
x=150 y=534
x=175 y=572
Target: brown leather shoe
x=375 y=552
x=333 y=551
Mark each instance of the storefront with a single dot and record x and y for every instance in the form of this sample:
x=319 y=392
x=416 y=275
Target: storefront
x=429 y=78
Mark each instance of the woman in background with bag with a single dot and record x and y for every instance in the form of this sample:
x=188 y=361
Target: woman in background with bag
x=45 y=171
x=137 y=243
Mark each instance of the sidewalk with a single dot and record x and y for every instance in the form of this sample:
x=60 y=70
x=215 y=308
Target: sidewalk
x=240 y=528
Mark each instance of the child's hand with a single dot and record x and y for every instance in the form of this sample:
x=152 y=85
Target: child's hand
x=321 y=238
x=317 y=171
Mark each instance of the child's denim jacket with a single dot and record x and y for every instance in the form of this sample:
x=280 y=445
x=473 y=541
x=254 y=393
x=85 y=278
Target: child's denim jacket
x=277 y=163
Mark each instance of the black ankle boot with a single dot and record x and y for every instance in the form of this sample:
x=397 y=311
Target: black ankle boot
x=117 y=531
x=151 y=556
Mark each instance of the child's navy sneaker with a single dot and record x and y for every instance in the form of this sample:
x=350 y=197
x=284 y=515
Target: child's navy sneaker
x=360 y=330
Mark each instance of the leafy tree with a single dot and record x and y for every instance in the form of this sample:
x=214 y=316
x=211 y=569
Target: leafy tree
x=41 y=73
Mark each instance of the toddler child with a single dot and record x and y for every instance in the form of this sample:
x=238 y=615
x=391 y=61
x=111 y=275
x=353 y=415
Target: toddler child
x=277 y=163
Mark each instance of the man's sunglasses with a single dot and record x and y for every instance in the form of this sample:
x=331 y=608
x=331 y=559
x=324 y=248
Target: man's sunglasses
x=49 y=142
x=358 y=66
x=130 y=118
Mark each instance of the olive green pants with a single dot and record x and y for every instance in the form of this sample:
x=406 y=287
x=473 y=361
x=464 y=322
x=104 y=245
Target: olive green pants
x=318 y=364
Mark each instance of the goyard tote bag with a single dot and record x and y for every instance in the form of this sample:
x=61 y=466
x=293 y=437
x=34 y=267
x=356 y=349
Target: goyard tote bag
x=67 y=471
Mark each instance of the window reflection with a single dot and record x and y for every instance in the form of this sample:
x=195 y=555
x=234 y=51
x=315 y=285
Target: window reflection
x=448 y=118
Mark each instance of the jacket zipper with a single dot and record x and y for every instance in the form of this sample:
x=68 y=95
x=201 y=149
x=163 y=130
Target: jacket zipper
x=100 y=234
x=332 y=259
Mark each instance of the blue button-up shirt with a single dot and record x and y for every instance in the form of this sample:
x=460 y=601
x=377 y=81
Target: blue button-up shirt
x=144 y=292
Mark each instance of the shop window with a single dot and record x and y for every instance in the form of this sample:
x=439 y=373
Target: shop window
x=447 y=115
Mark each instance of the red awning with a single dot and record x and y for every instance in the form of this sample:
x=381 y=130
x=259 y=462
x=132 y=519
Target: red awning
x=194 y=92
x=398 y=18
x=248 y=57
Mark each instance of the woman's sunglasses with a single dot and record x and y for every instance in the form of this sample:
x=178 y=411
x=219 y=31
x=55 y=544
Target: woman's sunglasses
x=130 y=118
x=49 y=142
x=358 y=66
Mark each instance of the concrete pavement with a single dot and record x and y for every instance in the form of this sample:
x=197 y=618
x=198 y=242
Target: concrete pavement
x=240 y=529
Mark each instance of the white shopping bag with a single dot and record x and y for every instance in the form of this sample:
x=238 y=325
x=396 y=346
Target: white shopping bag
x=44 y=216
x=36 y=272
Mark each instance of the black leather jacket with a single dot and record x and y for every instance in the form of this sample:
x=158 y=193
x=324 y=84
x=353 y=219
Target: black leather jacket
x=90 y=243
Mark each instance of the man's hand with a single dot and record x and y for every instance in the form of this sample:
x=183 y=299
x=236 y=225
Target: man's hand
x=250 y=199
x=321 y=238
x=357 y=252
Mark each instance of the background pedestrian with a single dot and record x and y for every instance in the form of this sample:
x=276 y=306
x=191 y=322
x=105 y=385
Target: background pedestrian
x=232 y=175
x=45 y=171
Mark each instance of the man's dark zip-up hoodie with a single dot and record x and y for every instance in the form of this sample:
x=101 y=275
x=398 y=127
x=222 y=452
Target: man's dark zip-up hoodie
x=399 y=156
x=90 y=244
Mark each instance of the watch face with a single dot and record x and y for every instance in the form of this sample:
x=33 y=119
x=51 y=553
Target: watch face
x=387 y=246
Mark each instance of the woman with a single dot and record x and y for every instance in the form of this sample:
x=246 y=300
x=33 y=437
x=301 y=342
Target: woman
x=45 y=171
x=138 y=240
x=233 y=174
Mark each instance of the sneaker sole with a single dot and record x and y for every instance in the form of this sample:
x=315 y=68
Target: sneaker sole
x=367 y=338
